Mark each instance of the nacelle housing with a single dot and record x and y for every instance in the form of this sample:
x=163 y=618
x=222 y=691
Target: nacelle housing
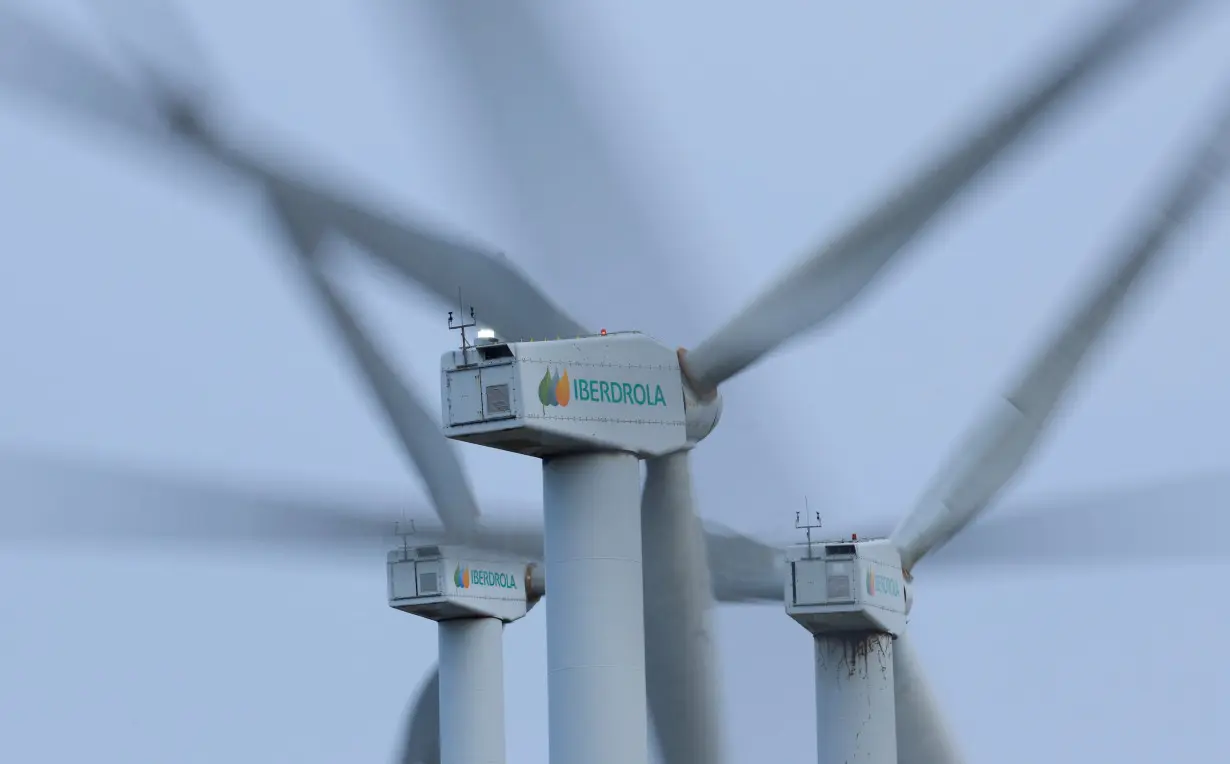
x=846 y=586
x=445 y=582
x=613 y=392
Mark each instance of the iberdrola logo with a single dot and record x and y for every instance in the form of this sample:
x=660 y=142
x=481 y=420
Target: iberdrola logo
x=554 y=389
x=885 y=585
x=461 y=577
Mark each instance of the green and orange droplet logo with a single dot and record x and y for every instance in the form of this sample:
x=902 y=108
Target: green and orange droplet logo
x=555 y=389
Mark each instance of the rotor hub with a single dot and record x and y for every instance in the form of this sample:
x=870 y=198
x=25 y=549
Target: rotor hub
x=703 y=407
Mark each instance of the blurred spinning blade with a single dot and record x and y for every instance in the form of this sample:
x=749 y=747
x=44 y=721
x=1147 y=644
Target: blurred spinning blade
x=57 y=499
x=996 y=450
x=1000 y=445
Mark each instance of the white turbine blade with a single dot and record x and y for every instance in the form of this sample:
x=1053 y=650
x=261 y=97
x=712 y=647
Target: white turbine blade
x=922 y=734
x=680 y=656
x=47 y=499
x=999 y=446
x=39 y=63
x=1185 y=520
x=421 y=744
x=832 y=276
x=743 y=569
x=58 y=498
x=553 y=159
x=64 y=500
x=429 y=452
x=447 y=266
x=443 y=264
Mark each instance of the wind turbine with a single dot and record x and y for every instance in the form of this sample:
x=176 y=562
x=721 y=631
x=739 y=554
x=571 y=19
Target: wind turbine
x=379 y=236
x=471 y=594
x=854 y=595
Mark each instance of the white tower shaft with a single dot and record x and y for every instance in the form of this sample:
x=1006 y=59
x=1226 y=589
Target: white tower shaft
x=856 y=718
x=472 y=691
x=595 y=618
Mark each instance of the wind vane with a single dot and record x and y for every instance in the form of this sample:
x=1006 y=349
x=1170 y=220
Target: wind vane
x=404 y=533
x=806 y=525
x=462 y=325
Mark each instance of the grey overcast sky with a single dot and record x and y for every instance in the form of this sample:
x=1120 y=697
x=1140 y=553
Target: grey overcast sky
x=146 y=316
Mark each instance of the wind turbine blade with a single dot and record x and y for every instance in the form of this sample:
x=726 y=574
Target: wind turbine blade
x=1180 y=520
x=743 y=569
x=999 y=446
x=554 y=163
x=922 y=734
x=65 y=499
x=830 y=277
x=38 y=63
x=680 y=656
x=58 y=499
x=429 y=452
x=421 y=744
x=448 y=266
x=444 y=264
x=62 y=500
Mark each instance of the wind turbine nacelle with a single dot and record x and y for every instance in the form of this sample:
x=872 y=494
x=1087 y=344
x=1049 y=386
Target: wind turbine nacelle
x=835 y=587
x=611 y=392
x=446 y=582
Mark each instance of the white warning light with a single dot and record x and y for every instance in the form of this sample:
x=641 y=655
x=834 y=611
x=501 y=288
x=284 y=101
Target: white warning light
x=486 y=334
